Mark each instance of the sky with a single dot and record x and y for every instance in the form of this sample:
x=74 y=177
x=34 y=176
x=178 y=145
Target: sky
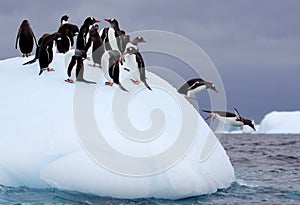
x=254 y=44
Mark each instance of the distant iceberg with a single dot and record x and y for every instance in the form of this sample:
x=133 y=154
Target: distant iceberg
x=280 y=122
x=40 y=146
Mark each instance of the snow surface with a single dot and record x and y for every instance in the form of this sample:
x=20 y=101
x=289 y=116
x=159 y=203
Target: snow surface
x=280 y=122
x=40 y=146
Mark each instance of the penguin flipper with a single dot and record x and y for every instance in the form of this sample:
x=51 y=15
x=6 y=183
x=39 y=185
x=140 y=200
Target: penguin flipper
x=122 y=88
x=146 y=84
x=208 y=111
x=30 y=62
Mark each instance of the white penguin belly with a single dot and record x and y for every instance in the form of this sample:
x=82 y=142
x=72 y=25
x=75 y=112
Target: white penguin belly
x=112 y=39
x=133 y=66
x=105 y=66
x=230 y=120
x=196 y=90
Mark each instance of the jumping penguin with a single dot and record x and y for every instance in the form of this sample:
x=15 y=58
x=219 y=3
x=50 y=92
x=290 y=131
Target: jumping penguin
x=234 y=119
x=194 y=86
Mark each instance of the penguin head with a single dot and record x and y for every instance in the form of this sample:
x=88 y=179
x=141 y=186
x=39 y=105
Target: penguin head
x=138 y=39
x=25 y=23
x=64 y=19
x=94 y=29
x=211 y=86
x=57 y=36
x=90 y=21
x=74 y=30
x=113 y=22
x=249 y=123
x=130 y=51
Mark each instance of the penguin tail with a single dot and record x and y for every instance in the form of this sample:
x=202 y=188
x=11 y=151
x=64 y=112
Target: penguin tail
x=122 y=88
x=208 y=111
x=30 y=62
x=41 y=71
x=146 y=84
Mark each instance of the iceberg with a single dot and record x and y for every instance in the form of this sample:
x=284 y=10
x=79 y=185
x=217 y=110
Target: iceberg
x=280 y=122
x=44 y=141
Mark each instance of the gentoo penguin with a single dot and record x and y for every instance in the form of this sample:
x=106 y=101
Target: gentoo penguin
x=64 y=19
x=95 y=44
x=135 y=62
x=110 y=35
x=84 y=29
x=37 y=51
x=110 y=66
x=76 y=67
x=234 y=119
x=68 y=31
x=26 y=38
x=194 y=86
x=135 y=41
x=47 y=51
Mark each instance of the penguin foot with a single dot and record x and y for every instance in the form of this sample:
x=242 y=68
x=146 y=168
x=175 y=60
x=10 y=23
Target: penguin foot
x=190 y=98
x=127 y=69
x=136 y=82
x=109 y=83
x=94 y=65
x=69 y=81
x=209 y=116
x=48 y=69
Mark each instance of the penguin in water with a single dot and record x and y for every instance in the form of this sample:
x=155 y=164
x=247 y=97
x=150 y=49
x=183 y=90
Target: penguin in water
x=110 y=36
x=83 y=32
x=110 y=67
x=95 y=44
x=76 y=66
x=135 y=62
x=194 y=86
x=37 y=50
x=68 y=32
x=234 y=119
x=26 y=38
x=47 y=51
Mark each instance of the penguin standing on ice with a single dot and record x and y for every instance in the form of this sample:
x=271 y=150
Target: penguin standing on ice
x=234 y=119
x=194 y=86
x=26 y=38
x=110 y=36
x=68 y=31
x=83 y=32
x=95 y=44
x=135 y=62
x=76 y=67
x=110 y=67
x=37 y=50
x=47 y=51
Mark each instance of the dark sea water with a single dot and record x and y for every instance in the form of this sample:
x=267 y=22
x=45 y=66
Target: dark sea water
x=267 y=172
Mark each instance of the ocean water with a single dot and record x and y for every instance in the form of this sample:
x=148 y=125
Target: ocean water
x=267 y=172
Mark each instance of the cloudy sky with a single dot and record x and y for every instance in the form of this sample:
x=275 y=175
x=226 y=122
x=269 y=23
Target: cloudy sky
x=254 y=44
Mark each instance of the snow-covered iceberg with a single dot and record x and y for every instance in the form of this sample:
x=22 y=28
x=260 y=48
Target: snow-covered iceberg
x=41 y=145
x=280 y=122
